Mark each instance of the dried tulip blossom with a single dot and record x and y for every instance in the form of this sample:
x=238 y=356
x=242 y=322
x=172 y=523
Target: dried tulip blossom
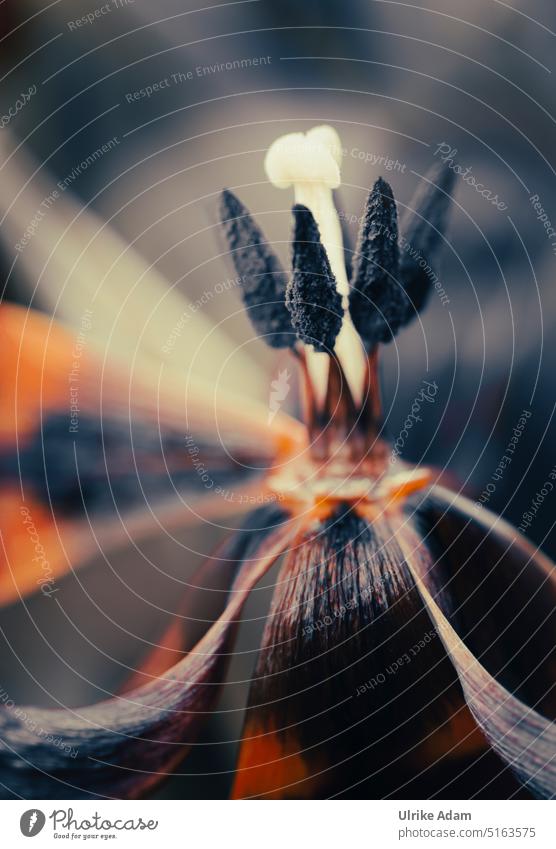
x=409 y=648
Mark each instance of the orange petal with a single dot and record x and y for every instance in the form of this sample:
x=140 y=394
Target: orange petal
x=90 y=459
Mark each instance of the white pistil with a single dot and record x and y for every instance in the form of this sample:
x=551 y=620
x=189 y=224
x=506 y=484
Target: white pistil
x=311 y=163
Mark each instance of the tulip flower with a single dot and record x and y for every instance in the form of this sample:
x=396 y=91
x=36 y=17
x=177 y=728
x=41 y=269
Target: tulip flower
x=409 y=648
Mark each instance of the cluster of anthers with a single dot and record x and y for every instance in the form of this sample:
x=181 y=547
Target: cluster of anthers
x=334 y=310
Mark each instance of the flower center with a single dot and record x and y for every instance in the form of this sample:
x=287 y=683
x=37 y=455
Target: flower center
x=305 y=484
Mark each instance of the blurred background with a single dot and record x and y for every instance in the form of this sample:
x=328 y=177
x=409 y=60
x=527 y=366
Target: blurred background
x=398 y=81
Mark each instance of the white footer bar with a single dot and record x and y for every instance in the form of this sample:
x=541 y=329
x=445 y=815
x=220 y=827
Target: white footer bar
x=282 y=825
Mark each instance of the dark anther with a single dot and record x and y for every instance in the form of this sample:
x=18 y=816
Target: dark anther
x=312 y=299
x=262 y=278
x=378 y=302
x=425 y=226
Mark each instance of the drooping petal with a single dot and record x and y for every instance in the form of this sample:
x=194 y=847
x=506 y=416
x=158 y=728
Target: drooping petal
x=492 y=596
x=88 y=461
x=122 y=746
x=354 y=693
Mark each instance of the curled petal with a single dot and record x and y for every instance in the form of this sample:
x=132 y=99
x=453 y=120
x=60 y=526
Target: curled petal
x=492 y=596
x=122 y=746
